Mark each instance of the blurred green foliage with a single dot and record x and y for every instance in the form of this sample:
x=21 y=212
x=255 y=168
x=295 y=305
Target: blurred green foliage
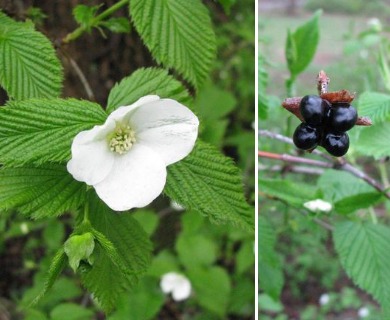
x=368 y=8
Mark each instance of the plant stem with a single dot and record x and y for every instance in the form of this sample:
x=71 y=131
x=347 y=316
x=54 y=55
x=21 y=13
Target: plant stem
x=106 y=13
x=335 y=163
x=86 y=212
x=373 y=215
x=384 y=176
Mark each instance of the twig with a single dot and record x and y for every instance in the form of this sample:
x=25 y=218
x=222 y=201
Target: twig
x=293 y=169
x=83 y=79
x=323 y=224
x=277 y=136
x=96 y=20
x=335 y=164
x=289 y=158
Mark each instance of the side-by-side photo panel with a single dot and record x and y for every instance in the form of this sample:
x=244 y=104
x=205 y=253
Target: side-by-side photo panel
x=323 y=160
x=127 y=160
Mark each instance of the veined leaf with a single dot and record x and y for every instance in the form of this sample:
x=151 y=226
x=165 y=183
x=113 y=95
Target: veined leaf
x=215 y=297
x=38 y=131
x=104 y=278
x=57 y=265
x=40 y=191
x=286 y=190
x=179 y=35
x=209 y=183
x=358 y=201
x=364 y=251
x=270 y=268
x=374 y=141
x=301 y=45
x=29 y=67
x=144 y=82
x=84 y=15
x=336 y=185
x=375 y=105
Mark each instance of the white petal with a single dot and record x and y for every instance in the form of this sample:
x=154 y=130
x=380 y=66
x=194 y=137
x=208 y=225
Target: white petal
x=91 y=158
x=166 y=126
x=318 y=205
x=136 y=179
x=182 y=290
x=123 y=112
x=168 y=282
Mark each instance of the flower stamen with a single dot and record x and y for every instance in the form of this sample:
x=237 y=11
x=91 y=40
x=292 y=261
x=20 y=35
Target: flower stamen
x=122 y=139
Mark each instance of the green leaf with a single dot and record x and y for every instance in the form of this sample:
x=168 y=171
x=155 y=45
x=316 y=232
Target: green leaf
x=196 y=250
x=374 y=105
x=70 y=311
x=40 y=191
x=269 y=304
x=227 y=5
x=374 y=141
x=163 y=263
x=148 y=219
x=56 y=267
x=143 y=303
x=29 y=67
x=336 y=185
x=84 y=15
x=358 y=201
x=286 y=190
x=245 y=258
x=301 y=45
x=209 y=183
x=262 y=84
x=364 y=251
x=104 y=279
x=212 y=288
x=242 y=297
x=146 y=81
x=291 y=49
x=79 y=247
x=38 y=131
x=270 y=267
x=117 y=25
x=213 y=103
x=179 y=35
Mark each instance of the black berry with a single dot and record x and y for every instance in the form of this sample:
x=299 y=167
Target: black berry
x=306 y=137
x=342 y=118
x=336 y=144
x=313 y=109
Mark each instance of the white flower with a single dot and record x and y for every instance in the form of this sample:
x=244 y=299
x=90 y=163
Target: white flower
x=125 y=159
x=363 y=312
x=375 y=24
x=324 y=299
x=318 y=205
x=177 y=284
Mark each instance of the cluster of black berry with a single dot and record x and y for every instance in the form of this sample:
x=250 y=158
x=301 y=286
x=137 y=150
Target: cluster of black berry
x=324 y=125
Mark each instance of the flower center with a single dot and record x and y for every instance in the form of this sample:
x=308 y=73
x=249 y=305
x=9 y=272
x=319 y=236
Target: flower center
x=122 y=139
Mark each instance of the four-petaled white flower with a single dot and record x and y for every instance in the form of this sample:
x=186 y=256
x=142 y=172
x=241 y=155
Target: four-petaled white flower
x=125 y=159
x=177 y=284
x=318 y=205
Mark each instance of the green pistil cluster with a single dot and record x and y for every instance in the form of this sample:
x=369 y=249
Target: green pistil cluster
x=122 y=140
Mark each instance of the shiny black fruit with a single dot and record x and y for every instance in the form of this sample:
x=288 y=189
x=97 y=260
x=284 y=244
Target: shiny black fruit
x=305 y=137
x=342 y=118
x=336 y=144
x=313 y=109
